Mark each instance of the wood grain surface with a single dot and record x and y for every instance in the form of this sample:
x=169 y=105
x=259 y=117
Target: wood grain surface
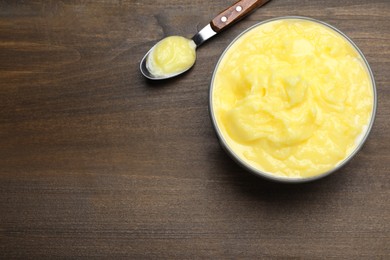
x=98 y=162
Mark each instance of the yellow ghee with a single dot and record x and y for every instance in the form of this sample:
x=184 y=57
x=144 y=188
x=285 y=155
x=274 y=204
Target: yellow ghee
x=171 y=55
x=291 y=98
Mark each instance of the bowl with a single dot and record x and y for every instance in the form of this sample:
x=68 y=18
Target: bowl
x=231 y=148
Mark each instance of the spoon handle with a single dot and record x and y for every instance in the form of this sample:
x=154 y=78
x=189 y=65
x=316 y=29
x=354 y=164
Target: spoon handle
x=234 y=13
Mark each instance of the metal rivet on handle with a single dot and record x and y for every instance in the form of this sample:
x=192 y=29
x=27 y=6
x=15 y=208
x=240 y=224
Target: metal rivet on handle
x=238 y=8
x=223 y=19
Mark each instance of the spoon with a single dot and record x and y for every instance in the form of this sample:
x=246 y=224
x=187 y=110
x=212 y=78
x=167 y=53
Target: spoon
x=223 y=20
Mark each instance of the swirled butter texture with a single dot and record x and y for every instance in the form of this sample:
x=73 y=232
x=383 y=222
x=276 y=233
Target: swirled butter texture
x=291 y=98
x=171 y=55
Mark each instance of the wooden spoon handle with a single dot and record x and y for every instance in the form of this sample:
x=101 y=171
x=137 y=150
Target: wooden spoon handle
x=234 y=13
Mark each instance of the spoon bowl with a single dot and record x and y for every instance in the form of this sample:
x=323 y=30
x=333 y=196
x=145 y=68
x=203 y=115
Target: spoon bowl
x=222 y=21
x=146 y=72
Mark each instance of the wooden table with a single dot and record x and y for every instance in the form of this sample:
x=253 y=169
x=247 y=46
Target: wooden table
x=95 y=161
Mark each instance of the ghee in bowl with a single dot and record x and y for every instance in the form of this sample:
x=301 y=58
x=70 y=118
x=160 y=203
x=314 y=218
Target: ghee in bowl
x=292 y=99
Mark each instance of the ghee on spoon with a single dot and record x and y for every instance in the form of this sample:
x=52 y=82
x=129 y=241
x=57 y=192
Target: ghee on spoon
x=175 y=55
x=171 y=56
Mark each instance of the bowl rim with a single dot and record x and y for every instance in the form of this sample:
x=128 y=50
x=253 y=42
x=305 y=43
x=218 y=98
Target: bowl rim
x=270 y=176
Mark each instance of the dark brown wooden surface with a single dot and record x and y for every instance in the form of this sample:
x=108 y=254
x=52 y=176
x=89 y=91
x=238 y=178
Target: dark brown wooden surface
x=95 y=161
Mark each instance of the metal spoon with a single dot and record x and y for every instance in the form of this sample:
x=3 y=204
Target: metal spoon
x=226 y=18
